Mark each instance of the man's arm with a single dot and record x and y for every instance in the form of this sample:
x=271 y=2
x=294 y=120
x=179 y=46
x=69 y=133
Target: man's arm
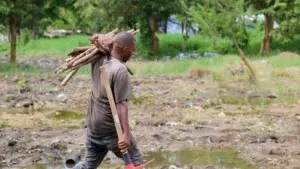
x=122 y=108
x=123 y=93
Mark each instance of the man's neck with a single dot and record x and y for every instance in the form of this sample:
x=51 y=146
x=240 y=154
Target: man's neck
x=115 y=55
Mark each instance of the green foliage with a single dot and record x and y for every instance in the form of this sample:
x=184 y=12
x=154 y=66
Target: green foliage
x=25 y=36
x=222 y=18
x=4 y=47
x=289 y=19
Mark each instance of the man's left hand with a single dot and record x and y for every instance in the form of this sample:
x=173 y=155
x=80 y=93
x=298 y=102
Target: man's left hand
x=124 y=143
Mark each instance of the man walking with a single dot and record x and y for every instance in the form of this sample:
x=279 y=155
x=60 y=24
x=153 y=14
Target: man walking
x=101 y=132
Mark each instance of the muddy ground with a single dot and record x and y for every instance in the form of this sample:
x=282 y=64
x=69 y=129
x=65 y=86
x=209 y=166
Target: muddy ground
x=167 y=113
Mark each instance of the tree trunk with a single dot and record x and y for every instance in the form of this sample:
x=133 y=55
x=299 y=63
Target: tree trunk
x=154 y=39
x=185 y=36
x=242 y=55
x=35 y=31
x=267 y=41
x=165 y=26
x=13 y=40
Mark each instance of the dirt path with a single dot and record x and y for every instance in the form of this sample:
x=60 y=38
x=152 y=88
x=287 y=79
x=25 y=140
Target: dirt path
x=168 y=114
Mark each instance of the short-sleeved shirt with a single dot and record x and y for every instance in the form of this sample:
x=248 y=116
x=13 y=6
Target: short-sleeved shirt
x=99 y=117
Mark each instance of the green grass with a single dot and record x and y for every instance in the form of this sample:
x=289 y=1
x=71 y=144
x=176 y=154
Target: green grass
x=10 y=69
x=173 y=67
x=285 y=61
x=49 y=47
x=176 y=67
x=171 y=44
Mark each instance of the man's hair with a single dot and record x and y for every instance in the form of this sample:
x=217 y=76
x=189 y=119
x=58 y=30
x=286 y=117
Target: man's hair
x=124 y=39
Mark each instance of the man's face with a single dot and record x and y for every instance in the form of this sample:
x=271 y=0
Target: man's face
x=128 y=52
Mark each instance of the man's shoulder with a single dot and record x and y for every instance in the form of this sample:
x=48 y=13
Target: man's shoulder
x=118 y=67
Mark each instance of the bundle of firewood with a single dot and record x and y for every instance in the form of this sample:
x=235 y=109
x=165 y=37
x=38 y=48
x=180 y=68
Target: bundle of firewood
x=81 y=56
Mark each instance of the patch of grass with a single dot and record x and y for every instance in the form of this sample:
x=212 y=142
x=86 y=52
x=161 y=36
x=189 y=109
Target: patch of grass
x=50 y=47
x=190 y=116
x=4 y=47
x=250 y=112
x=17 y=69
x=67 y=115
x=143 y=100
x=232 y=100
x=287 y=61
x=261 y=101
x=177 y=68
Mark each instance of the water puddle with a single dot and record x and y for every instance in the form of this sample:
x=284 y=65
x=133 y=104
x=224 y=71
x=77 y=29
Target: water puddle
x=223 y=159
x=219 y=159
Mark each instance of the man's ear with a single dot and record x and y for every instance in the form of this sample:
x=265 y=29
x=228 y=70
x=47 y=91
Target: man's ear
x=125 y=48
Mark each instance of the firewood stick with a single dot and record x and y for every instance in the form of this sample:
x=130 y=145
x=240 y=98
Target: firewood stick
x=115 y=31
x=99 y=46
x=59 y=71
x=131 y=31
x=90 y=60
x=68 y=77
x=69 y=59
x=78 y=50
x=86 y=57
x=136 y=32
x=69 y=64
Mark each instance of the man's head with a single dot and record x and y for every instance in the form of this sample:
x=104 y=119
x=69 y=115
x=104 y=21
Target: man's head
x=124 y=46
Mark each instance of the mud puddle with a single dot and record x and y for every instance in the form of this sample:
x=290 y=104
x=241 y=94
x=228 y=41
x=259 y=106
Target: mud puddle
x=177 y=159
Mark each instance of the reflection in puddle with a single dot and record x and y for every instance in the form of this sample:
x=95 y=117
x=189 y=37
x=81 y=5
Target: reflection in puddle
x=225 y=159
x=198 y=158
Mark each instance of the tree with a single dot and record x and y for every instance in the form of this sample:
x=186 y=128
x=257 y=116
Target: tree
x=149 y=15
x=268 y=8
x=183 y=15
x=289 y=19
x=223 y=18
x=12 y=12
x=20 y=14
x=104 y=15
x=129 y=14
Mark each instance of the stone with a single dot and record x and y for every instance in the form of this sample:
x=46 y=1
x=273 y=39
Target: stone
x=24 y=103
x=174 y=167
x=171 y=123
x=62 y=97
x=210 y=54
x=272 y=96
x=222 y=114
x=199 y=108
x=12 y=143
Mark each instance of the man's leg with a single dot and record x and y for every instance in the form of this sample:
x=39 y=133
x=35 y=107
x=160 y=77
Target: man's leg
x=94 y=154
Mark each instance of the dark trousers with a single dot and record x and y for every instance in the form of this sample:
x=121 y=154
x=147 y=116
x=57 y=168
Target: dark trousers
x=97 y=148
